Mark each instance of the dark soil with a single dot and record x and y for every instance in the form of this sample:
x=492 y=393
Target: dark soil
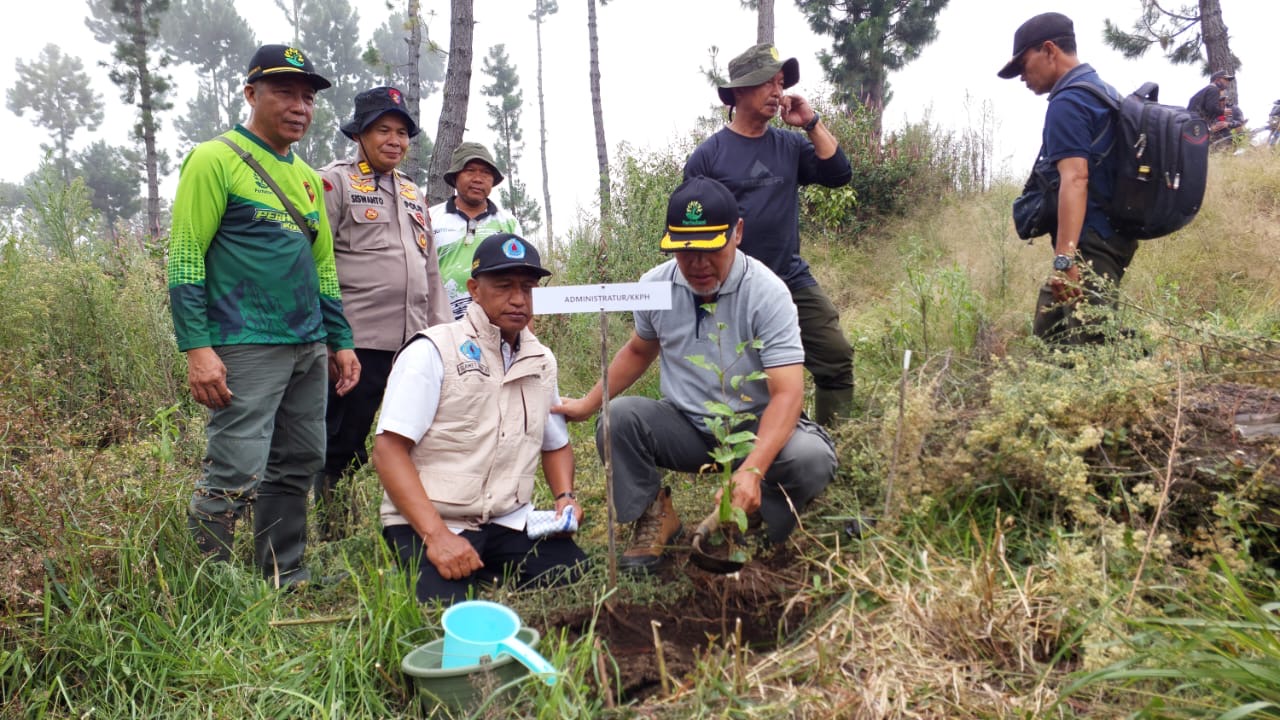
x=1230 y=441
x=759 y=596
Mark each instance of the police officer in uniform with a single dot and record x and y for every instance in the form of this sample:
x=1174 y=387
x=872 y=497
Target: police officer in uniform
x=389 y=273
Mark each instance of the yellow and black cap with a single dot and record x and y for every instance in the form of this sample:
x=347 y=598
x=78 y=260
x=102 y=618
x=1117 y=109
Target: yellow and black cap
x=701 y=215
x=282 y=61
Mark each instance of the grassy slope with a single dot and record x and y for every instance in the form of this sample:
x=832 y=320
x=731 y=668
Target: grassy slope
x=1001 y=567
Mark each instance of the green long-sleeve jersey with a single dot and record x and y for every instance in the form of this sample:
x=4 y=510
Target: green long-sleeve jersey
x=240 y=270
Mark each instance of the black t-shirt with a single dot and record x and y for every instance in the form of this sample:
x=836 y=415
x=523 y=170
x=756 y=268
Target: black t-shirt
x=764 y=174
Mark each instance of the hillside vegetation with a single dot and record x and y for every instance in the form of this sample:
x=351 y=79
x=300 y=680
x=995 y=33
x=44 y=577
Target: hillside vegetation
x=1015 y=531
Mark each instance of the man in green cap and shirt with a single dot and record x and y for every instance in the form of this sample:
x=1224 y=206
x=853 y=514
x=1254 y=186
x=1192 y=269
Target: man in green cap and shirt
x=465 y=219
x=255 y=301
x=763 y=167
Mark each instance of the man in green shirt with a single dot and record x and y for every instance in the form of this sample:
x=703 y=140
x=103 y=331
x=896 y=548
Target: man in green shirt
x=255 y=301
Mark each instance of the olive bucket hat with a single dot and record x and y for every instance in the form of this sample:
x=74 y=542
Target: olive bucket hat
x=756 y=66
x=465 y=153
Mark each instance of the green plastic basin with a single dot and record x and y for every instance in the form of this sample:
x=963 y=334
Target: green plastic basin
x=462 y=688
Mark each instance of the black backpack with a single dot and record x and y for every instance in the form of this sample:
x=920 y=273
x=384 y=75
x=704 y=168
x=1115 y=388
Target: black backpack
x=1161 y=169
x=1162 y=165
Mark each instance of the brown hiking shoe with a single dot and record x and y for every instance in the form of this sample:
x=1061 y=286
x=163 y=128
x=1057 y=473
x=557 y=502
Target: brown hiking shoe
x=655 y=529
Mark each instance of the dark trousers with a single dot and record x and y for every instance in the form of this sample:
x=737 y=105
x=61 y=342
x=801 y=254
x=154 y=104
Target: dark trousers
x=348 y=419
x=828 y=356
x=1103 y=265
x=652 y=434
x=506 y=553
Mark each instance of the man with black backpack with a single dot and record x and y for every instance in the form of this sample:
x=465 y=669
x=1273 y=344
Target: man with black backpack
x=1090 y=254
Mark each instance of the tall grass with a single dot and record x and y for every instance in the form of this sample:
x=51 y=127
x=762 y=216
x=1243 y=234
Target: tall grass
x=1030 y=502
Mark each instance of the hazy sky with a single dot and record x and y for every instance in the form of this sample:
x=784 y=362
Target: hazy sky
x=653 y=90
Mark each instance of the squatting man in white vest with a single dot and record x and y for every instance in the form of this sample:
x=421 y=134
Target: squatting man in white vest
x=465 y=420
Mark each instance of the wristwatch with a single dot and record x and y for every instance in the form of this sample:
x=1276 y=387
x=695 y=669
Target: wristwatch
x=568 y=494
x=1063 y=263
x=813 y=123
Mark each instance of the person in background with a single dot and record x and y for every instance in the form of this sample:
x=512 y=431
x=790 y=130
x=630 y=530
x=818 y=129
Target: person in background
x=1206 y=101
x=1077 y=137
x=390 y=279
x=466 y=218
x=255 y=301
x=764 y=167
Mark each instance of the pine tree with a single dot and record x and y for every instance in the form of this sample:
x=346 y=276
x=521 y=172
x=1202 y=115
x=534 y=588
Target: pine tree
x=1185 y=36
x=457 y=93
x=213 y=37
x=401 y=61
x=132 y=28
x=870 y=38
x=59 y=95
x=327 y=31
x=504 y=116
x=597 y=111
x=541 y=9
x=111 y=174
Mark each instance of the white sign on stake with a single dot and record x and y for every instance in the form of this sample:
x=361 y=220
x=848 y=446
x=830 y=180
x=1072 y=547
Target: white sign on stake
x=603 y=299
x=613 y=297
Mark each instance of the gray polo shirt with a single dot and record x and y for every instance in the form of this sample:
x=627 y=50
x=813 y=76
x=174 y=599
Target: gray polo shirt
x=753 y=304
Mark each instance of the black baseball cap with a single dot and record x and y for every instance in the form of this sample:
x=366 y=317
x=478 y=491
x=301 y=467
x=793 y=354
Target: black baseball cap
x=373 y=104
x=701 y=214
x=283 y=60
x=1045 y=26
x=505 y=251
x=1222 y=75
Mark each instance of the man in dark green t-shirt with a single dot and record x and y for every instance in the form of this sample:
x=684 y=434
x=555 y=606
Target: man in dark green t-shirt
x=255 y=301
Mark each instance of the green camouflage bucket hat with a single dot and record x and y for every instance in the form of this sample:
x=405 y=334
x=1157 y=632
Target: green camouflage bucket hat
x=465 y=153
x=756 y=66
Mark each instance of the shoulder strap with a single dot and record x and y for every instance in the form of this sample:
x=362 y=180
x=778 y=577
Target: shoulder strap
x=1098 y=92
x=252 y=162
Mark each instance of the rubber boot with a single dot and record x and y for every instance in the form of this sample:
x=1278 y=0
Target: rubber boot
x=280 y=538
x=331 y=511
x=831 y=405
x=213 y=536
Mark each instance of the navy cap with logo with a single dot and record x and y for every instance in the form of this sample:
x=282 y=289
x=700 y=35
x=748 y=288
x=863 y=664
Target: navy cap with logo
x=1043 y=27
x=373 y=104
x=505 y=251
x=283 y=61
x=701 y=214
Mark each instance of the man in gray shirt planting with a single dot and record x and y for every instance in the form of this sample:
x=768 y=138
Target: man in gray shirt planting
x=721 y=298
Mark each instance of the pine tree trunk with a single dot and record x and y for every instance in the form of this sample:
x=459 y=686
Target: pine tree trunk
x=457 y=92
x=764 y=21
x=1213 y=32
x=147 y=120
x=597 y=112
x=542 y=131
x=413 y=88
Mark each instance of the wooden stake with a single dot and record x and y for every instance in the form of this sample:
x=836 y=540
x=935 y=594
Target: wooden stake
x=897 y=438
x=608 y=449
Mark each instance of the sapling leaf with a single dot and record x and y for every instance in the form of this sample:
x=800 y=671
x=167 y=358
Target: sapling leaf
x=741 y=436
x=756 y=375
x=740 y=518
x=700 y=361
x=739 y=556
x=723 y=455
x=718 y=408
